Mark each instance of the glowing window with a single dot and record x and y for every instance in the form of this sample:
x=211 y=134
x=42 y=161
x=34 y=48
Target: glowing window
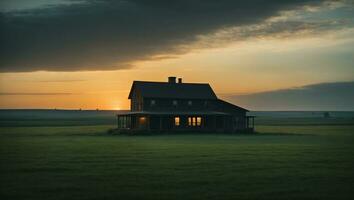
x=190 y=103
x=199 y=121
x=194 y=120
x=142 y=120
x=177 y=121
x=174 y=102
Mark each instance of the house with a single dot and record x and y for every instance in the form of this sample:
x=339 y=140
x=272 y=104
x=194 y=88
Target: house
x=178 y=106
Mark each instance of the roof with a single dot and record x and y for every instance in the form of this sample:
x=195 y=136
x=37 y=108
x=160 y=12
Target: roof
x=173 y=90
x=172 y=113
x=230 y=105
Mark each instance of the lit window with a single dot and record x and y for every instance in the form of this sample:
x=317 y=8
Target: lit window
x=152 y=102
x=199 y=121
x=177 y=121
x=142 y=120
x=194 y=121
x=189 y=103
x=174 y=102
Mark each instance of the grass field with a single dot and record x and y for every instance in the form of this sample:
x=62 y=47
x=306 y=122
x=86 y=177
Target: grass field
x=283 y=161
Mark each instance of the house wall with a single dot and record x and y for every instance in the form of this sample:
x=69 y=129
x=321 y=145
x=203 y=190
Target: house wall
x=208 y=123
x=215 y=123
x=162 y=104
x=236 y=120
x=136 y=102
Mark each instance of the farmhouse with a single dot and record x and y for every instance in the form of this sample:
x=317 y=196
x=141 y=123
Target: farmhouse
x=178 y=106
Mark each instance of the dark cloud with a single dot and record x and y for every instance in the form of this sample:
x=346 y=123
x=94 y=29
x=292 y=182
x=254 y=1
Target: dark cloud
x=106 y=35
x=323 y=96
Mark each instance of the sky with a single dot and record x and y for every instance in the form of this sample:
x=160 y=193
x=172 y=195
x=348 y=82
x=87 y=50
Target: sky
x=262 y=55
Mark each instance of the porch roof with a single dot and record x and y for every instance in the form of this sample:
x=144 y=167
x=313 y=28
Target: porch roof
x=173 y=113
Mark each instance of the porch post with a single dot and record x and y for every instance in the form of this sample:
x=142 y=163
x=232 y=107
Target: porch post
x=233 y=123
x=118 y=121
x=203 y=121
x=148 y=122
x=136 y=121
x=247 y=122
x=214 y=122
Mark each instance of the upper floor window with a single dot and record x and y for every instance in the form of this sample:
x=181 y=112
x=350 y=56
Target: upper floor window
x=174 y=102
x=152 y=102
x=190 y=102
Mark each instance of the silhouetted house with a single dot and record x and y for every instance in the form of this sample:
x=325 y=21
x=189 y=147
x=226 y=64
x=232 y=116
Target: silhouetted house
x=177 y=106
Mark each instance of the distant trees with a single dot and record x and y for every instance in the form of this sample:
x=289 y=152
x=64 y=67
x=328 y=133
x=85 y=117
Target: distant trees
x=326 y=115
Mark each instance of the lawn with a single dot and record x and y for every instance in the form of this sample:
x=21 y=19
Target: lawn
x=83 y=162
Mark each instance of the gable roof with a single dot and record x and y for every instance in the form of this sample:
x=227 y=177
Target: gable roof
x=173 y=90
x=227 y=106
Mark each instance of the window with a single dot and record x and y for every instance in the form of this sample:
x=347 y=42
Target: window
x=152 y=102
x=199 y=121
x=142 y=120
x=189 y=103
x=194 y=121
x=174 y=102
x=177 y=121
x=205 y=103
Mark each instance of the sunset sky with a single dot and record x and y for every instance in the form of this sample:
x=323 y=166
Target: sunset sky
x=264 y=55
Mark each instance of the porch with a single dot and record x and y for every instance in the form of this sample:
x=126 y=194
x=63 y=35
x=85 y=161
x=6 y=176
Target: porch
x=184 y=121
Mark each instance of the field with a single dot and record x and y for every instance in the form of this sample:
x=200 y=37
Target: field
x=71 y=156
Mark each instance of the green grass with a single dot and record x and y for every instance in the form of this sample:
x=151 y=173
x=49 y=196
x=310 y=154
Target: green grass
x=83 y=162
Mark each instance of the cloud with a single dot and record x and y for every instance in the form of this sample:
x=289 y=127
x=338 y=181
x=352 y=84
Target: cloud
x=110 y=35
x=322 y=96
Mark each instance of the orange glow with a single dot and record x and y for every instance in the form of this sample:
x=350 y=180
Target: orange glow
x=238 y=69
x=142 y=120
x=199 y=121
x=177 y=121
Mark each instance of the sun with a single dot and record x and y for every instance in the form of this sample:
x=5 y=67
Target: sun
x=117 y=108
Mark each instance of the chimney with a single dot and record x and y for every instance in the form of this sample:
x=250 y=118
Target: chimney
x=172 y=79
x=179 y=80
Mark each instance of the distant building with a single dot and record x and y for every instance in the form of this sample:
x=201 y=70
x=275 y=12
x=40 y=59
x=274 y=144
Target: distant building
x=177 y=106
